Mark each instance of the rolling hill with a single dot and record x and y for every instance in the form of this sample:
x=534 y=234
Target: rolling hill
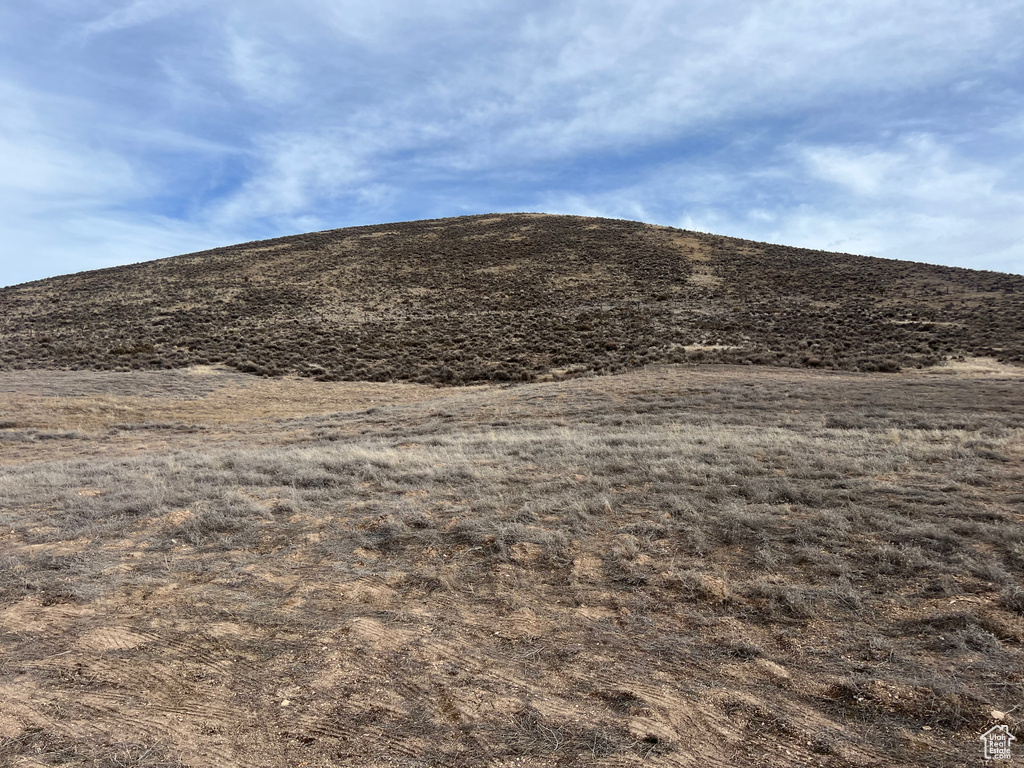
x=678 y=565
x=512 y=297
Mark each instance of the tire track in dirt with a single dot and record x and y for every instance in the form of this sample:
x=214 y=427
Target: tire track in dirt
x=100 y=718
x=694 y=732
x=131 y=717
x=157 y=695
x=112 y=639
x=414 y=695
x=200 y=649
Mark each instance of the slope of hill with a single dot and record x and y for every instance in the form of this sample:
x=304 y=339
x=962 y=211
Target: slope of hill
x=509 y=297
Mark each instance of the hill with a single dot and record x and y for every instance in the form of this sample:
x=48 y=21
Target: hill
x=677 y=565
x=514 y=297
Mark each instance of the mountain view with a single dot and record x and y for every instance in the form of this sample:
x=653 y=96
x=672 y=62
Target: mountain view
x=511 y=490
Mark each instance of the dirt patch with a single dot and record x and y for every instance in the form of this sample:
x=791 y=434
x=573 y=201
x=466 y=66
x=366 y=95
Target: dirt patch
x=980 y=366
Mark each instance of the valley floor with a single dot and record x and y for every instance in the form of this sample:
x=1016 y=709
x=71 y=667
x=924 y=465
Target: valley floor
x=679 y=566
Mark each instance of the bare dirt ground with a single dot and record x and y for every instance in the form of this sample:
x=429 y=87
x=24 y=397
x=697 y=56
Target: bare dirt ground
x=673 y=567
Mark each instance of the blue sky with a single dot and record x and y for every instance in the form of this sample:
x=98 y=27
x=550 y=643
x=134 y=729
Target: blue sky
x=136 y=129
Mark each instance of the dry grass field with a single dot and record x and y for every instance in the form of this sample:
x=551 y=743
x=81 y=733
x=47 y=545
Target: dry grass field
x=674 y=566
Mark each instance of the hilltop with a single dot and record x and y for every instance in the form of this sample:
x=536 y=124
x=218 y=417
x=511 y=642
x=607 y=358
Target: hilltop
x=511 y=297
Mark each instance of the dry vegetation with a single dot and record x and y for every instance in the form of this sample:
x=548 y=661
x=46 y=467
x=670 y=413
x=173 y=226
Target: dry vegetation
x=675 y=566
x=509 y=298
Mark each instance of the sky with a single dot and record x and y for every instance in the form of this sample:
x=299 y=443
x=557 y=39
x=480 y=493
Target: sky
x=138 y=129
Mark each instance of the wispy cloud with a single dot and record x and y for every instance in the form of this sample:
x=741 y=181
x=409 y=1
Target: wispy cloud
x=923 y=201
x=917 y=199
x=889 y=129
x=45 y=162
x=126 y=15
x=265 y=72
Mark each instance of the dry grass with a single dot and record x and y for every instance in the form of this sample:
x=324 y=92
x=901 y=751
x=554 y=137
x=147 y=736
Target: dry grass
x=672 y=567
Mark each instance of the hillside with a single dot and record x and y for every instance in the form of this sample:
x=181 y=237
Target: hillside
x=514 y=297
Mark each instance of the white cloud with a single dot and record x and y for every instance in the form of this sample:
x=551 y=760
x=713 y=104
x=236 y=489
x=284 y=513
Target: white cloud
x=609 y=73
x=916 y=200
x=296 y=173
x=64 y=203
x=44 y=168
x=917 y=169
x=134 y=13
x=264 y=72
x=919 y=200
x=43 y=159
